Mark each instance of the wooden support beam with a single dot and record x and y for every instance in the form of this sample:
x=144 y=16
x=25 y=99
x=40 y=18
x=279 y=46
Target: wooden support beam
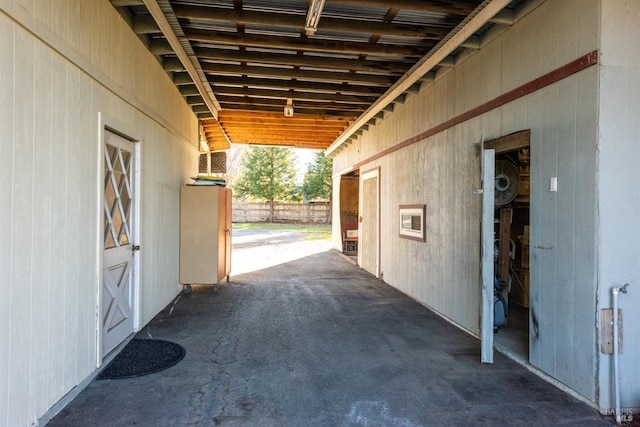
x=504 y=17
x=295 y=94
x=345 y=88
x=216 y=14
x=194 y=100
x=270 y=136
x=226 y=101
x=187 y=90
x=315 y=44
x=283 y=127
x=323 y=76
x=145 y=25
x=510 y=142
x=160 y=47
x=262 y=117
x=473 y=42
x=298 y=111
x=448 y=62
x=386 y=67
x=182 y=79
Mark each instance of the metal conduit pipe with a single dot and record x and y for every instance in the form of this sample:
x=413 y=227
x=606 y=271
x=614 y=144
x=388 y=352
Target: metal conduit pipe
x=616 y=376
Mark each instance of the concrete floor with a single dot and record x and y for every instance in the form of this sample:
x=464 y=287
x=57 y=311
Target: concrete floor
x=316 y=341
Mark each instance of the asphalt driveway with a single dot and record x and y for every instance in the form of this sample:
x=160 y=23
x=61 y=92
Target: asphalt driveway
x=309 y=339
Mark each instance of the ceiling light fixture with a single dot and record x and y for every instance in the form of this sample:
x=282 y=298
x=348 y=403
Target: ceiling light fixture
x=313 y=16
x=288 y=109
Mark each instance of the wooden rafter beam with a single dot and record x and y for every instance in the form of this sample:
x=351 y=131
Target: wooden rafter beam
x=282 y=125
x=312 y=44
x=217 y=81
x=258 y=115
x=226 y=101
x=295 y=142
x=387 y=67
x=294 y=94
x=324 y=76
x=304 y=111
x=216 y=14
x=275 y=129
x=256 y=136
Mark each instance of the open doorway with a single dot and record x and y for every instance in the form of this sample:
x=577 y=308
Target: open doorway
x=349 y=205
x=511 y=238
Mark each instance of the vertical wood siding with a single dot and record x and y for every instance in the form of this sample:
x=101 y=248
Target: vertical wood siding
x=78 y=60
x=443 y=170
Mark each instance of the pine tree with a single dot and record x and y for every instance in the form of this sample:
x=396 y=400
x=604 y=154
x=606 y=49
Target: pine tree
x=317 y=181
x=268 y=174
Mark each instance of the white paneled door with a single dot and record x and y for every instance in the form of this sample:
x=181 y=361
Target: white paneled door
x=117 y=293
x=488 y=201
x=368 y=250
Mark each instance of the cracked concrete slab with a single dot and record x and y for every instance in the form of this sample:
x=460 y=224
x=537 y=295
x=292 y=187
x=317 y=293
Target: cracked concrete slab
x=317 y=341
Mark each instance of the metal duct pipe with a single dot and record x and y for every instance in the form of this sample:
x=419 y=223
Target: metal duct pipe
x=616 y=375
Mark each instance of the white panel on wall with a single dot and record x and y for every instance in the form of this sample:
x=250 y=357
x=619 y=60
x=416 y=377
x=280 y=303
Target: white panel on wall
x=21 y=229
x=42 y=243
x=58 y=252
x=6 y=195
x=618 y=196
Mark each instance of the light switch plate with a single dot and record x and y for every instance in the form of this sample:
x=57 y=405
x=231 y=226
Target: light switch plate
x=553 y=184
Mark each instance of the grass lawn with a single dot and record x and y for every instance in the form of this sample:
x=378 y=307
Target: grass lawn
x=310 y=231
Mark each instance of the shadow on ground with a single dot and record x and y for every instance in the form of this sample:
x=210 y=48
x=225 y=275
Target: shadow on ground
x=320 y=342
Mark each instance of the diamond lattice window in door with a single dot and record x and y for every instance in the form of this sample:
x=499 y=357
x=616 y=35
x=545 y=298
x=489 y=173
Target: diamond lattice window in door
x=117 y=197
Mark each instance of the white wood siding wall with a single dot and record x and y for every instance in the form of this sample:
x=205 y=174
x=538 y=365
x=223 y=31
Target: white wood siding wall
x=63 y=63
x=618 y=196
x=443 y=170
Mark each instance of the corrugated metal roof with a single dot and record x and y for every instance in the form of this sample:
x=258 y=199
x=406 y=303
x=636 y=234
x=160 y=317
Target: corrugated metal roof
x=365 y=13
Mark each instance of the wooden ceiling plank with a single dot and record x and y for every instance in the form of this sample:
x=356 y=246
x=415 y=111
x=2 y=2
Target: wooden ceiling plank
x=289 y=124
x=283 y=127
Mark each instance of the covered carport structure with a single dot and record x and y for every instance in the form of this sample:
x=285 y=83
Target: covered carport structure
x=105 y=101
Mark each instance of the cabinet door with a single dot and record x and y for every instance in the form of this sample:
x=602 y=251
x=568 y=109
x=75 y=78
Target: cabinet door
x=228 y=214
x=222 y=234
x=199 y=231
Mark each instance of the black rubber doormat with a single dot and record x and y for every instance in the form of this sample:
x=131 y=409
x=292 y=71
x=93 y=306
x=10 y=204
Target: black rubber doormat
x=143 y=357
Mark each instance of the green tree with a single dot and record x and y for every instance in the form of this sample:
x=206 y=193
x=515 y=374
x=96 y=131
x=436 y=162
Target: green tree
x=268 y=174
x=317 y=181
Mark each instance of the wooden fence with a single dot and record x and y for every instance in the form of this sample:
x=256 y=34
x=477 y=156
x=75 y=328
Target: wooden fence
x=303 y=213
